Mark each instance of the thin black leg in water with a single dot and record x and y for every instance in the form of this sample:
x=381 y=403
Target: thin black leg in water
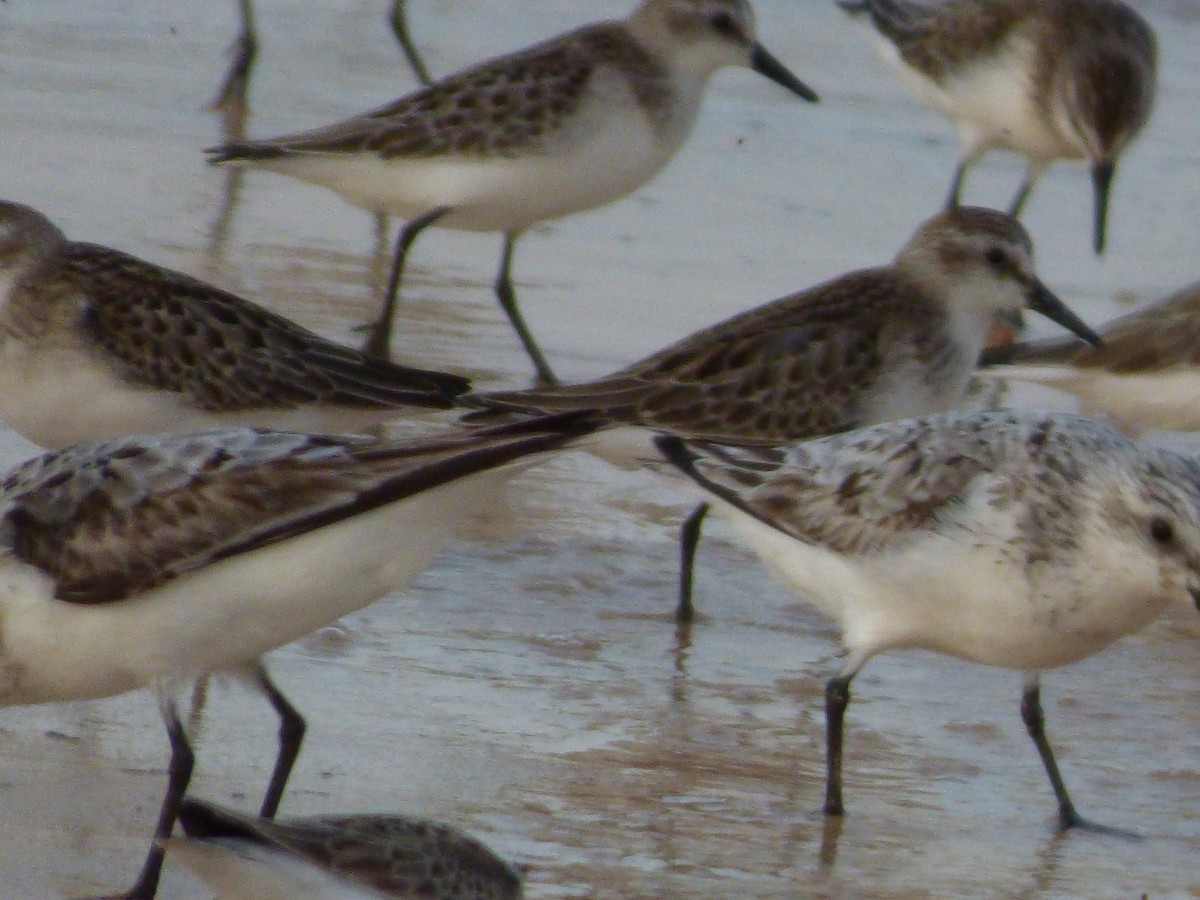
x=689 y=540
x=1035 y=724
x=291 y=736
x=399 y=23
x=179 y=774
x=954 y=200
x=1018 y=202
x=380 y=338
x=508 y=302
x=232 y=93
x=837 y=698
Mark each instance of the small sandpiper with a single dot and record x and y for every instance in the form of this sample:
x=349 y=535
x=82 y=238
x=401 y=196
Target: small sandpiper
x=874 y=345
x=564 y=126
x=152 y=561
x=1021 y=540
x=1049 y=79
x=365 y=856
x=95 y=343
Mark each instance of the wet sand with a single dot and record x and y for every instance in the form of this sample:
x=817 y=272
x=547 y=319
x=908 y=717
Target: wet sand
x=532 y=687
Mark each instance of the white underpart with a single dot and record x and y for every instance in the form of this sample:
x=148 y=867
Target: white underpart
x=56 y=397
x=607 y=150
x=958 y=592
x=1168 y=399
x=991 y=107
x=240 y=870
x=228 y=612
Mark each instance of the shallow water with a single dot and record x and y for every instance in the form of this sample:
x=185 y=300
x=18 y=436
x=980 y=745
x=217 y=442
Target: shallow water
x=532 y=687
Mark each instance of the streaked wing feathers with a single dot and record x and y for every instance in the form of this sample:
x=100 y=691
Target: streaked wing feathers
x=505 y=105
x=109 y=520
x=797 y=367
x=854 y=493
x=173 y=332
x=391 y=853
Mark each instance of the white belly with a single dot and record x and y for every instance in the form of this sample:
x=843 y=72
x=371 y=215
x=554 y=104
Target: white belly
x=1167 y=400
x=227 y=613
x=238 y=870
x=55 y=398
x=991 y=106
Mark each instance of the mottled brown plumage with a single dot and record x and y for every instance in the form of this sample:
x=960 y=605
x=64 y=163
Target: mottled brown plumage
x=503 y=107
x=143 y=329
x=395 y=855
x=804 y=365
x=108 y=521
x=827 y=359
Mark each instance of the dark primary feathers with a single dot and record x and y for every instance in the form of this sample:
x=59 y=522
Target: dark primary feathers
x=525 y=98
x=108 y=520
x=177 y=333
x=797 y=367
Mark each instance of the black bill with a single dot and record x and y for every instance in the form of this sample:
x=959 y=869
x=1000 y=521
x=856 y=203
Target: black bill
x=764 y=63
x=1102 y=176
x=1042 y=300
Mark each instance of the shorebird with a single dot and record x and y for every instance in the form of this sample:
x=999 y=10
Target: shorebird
x=1048 y=79
x=567 y=125
x=232 y=93
x=873 y=345
x=1146 y=374
x=95 y=343
x=152 y=561
x=366 y=857
x=1021 y=540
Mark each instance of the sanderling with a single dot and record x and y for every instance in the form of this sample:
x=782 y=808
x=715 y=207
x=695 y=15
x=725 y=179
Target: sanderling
x=1146 y=374
x=355 y=856
x=567 y=125
x=878 y=344
x=95 y=343
x=232 y=94
x=150 y=561
x=1022 y=540
x=1049 y=79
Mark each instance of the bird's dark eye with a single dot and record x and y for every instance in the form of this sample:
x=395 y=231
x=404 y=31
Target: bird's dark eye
x=1162 y=531
x=996 y=256
x=723 y=23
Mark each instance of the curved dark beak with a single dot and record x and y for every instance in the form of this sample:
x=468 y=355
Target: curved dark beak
x=1102 y=176
x=1042 y=300
x=1195 y=592
x=764 y=63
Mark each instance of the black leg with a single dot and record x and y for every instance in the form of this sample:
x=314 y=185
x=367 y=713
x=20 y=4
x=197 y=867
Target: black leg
x=954 y=200
x=291 y=736
x=179 y=774
x=1018 y=202
x=508 y=302
x=837 y=698
x=1035 y=724
x=381 y=332
x=399 y=25
x=231 y=96
x=689 y=539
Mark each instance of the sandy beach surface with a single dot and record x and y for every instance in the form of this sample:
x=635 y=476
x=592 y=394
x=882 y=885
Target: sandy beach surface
x=532 y=687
